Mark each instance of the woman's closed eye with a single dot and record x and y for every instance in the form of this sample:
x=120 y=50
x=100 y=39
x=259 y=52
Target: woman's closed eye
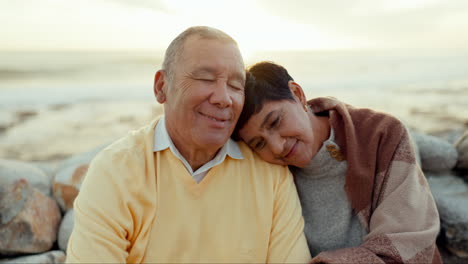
x=259 y=144
x=275 y=122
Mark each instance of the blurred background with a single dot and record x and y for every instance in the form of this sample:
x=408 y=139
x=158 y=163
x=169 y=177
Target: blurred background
x=74 y=75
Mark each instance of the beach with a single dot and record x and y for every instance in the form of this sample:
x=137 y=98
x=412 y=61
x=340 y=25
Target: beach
x=57 y=110
x=77 y=77
x=55 y=105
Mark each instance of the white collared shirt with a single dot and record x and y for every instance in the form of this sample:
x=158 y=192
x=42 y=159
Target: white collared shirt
x=162 y=141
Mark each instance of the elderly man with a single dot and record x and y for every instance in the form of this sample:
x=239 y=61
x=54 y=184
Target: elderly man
x=180 y=190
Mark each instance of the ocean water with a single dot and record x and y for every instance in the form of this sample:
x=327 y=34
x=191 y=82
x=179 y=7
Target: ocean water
x=399 y=81
x=41 y=78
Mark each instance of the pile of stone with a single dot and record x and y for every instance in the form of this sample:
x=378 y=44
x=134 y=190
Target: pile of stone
x=36 y=208
x=36 y=201
x=445 y=165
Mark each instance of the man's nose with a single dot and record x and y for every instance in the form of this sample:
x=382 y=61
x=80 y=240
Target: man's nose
x=221 y=95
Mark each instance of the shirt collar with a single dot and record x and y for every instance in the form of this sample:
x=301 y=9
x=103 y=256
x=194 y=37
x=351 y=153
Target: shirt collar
x=162 y=141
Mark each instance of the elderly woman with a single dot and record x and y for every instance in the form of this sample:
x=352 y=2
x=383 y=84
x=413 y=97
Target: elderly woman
x=363 y=196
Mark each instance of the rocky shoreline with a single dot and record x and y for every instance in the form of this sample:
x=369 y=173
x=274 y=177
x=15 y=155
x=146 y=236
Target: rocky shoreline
x=38 y=186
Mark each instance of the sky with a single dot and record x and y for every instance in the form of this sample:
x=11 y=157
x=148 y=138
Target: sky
x=256 y=24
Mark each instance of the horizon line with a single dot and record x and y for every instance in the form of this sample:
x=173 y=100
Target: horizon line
x=255 y=51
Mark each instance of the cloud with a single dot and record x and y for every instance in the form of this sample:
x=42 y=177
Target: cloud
x=261 y=24
x=378 y=22
x=155 y=5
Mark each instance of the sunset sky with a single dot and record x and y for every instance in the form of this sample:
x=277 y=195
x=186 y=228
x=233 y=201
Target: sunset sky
x=256 y=25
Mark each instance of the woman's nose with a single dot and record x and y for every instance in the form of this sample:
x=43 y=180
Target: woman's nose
x=276 y=145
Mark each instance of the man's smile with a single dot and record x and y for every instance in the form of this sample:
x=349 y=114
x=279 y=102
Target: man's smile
x=217 y=118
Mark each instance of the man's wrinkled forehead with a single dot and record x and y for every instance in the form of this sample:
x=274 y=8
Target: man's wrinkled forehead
x=191 y=40
x=204 y=65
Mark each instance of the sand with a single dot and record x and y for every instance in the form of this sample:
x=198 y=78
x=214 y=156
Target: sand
x=54 y=132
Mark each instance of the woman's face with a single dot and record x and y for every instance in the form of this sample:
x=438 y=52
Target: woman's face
x=282 y=133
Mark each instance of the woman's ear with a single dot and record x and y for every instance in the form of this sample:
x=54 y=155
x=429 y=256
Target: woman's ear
x=297 y=92
x=160 y=86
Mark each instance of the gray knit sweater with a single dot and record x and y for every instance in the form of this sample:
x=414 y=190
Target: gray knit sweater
x=329 y=221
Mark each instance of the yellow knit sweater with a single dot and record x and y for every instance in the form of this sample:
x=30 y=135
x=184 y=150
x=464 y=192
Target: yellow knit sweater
x=138 y=206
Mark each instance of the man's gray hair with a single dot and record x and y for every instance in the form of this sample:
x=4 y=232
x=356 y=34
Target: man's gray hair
x=177 y=44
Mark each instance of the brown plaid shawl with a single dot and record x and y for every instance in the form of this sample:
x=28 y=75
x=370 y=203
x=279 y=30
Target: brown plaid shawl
x=386 y=187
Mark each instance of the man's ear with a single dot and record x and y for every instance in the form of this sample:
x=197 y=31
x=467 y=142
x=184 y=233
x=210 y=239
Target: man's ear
x=297 y=92
x=160 y=86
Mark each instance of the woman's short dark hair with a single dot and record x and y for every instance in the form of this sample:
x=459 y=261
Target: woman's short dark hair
x=266 y=81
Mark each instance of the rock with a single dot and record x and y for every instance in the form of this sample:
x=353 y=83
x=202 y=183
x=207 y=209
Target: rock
x=29 y=220
x=65 y=230
x=51 y=257
x=48 y=167
x=451 y=195
x=67 y=185
x=70 y=174
x=449 y=257
x=11 y=171
x=436 y=154
x=462 y=148
x=450 y=135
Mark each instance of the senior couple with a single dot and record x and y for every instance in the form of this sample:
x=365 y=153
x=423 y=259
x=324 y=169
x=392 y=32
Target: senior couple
x=243 y=168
